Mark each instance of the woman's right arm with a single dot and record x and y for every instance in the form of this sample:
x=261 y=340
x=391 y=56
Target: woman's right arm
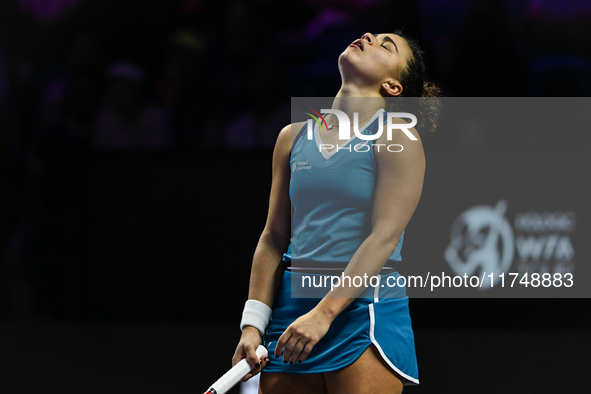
x=267 y=268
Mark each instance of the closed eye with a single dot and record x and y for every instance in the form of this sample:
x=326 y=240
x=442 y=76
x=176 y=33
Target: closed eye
x=388 y=39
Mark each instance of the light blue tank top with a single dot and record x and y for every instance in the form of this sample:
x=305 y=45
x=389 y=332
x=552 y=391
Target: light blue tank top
x=332 y=196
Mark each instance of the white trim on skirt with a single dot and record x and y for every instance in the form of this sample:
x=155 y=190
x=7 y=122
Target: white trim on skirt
x=377 y=345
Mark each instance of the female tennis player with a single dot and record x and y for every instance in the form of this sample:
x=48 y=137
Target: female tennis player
x=350 y=210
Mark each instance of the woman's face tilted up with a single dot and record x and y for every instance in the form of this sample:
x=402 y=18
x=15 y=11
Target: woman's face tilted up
x=372 y=64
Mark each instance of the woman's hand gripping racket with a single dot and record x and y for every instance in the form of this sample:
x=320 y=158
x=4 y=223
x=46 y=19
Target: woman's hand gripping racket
x=235 y=374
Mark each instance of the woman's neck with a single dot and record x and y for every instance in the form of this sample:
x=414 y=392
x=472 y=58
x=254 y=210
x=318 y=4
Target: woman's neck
x=351 y=99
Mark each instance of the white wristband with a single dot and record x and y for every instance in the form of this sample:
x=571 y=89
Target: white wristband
x=256 y=314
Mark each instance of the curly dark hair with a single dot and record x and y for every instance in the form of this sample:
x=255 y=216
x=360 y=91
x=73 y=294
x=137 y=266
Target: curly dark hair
x=415 y=84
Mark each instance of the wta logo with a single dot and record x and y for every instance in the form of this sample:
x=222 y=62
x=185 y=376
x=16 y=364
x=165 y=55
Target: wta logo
x=481 y=240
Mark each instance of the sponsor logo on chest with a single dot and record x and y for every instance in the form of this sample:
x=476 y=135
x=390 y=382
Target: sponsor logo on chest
x=300 y=165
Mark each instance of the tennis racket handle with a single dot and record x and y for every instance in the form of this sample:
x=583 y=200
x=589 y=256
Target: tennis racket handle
x=235 y=374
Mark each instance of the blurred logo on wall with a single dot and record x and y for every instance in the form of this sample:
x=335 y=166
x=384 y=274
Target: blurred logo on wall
x=483 y=240
x=543 y=242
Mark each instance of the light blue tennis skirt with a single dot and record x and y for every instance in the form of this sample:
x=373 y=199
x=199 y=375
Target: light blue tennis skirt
x=378 y=318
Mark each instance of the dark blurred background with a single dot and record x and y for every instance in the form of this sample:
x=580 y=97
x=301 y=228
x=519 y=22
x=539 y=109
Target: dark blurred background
x=135 y=163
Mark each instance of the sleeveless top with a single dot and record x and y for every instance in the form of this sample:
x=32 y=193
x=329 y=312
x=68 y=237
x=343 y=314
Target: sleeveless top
x=332 y=195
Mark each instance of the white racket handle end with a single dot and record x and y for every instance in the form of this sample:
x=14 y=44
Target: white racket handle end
x=235 y=374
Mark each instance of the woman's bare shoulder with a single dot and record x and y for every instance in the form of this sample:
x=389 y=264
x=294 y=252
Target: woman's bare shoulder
x=288 y=135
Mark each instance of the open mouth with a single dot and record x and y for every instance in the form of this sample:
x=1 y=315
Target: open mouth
x=358 y=43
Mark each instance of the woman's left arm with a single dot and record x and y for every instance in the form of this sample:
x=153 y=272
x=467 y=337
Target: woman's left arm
x=398 y=188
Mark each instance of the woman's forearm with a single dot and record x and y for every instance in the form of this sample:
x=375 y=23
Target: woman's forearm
x=368 y=260
x=267 y=268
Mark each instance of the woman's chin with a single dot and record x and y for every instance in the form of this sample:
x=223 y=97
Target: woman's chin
x=348 y=64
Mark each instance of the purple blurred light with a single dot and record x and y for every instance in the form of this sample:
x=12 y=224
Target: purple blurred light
x=559 y=8
x=47 y=10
